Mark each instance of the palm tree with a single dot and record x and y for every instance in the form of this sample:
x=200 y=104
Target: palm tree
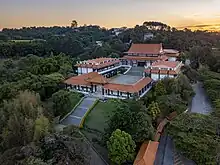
x=74 y=24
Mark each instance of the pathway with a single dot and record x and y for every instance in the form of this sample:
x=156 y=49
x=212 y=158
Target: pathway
x=75 y=117
x=200 y=102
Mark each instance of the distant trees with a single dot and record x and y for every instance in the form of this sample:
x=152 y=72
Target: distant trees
x=74 y=24
x=121 y=147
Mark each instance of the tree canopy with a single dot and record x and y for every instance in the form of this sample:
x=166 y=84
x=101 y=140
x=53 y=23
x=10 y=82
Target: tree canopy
x=121 y=147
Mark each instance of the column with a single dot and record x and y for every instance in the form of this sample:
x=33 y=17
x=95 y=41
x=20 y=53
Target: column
x=91 y=88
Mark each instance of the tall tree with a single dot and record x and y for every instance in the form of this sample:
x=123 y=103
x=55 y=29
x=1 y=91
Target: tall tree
x=74 y=24
x=121 y=147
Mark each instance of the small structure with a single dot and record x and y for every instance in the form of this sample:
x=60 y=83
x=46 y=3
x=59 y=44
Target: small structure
x=171 y=54
x=100 y=65
x=147 y=153
x=99 y=43
x=148 y=36
x=161 y=69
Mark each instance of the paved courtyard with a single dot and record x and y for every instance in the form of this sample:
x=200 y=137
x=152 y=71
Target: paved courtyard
x=125 y=79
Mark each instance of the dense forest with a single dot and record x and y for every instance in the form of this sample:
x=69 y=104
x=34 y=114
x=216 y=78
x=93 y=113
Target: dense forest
x=35 y=61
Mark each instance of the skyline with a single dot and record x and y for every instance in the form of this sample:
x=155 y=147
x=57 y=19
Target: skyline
x=199 y=14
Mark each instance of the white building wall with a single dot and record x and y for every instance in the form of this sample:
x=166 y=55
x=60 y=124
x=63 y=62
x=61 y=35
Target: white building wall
x=84 y=70
x=163 y=76
x=148 y=63
x=124 y=94
x=171 y=76
x=171 y=58
x=155 y=77
x=90 y=70
x=79 y=71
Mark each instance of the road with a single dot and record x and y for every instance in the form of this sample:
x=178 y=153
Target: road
x=75 y=117
x=200 y=103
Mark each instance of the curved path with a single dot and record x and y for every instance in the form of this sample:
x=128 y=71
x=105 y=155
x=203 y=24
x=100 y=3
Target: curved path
x=200 y=102
x=75 y=117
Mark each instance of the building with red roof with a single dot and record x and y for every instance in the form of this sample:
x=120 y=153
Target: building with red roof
x=146 y=54
x=97 y=65
x=94 y=82
x=161 y=69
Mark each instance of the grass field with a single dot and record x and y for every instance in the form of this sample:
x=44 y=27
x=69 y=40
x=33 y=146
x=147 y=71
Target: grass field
x=98 y=117
x=96 y=122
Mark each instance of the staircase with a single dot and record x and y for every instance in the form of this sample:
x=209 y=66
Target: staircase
x=177 y=159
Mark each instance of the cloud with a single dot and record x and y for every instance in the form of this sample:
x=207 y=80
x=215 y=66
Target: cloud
x=209 y=27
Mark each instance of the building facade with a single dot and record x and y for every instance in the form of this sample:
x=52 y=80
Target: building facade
x=146 y=54
x=94 y=83
x=162 y=69
x=105 y=66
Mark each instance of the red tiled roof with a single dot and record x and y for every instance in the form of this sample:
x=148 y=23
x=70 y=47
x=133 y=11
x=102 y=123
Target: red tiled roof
x=99 y=79
x=129 y=88
x=171 y=52
x=146 y=48
x=98 y=63
x=147 y=153
x=86 y=79
x=165 y=64
x=156 y=71
x=163 y=71
x=141 y=58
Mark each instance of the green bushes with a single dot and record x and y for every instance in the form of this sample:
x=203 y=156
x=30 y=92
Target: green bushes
x=64 y=101
x=195 y=136
x=86 y=114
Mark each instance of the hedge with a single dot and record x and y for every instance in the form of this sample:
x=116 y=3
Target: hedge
x=86 y=114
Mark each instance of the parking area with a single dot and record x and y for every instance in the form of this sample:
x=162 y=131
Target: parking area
x=125 y=79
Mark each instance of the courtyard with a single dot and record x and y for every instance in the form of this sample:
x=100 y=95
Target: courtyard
x=125 y=79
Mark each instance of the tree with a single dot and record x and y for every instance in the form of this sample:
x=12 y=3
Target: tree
x=131 y=116
x=195 y=136
x=34 y=161
x=64 y=101
x=153 y=110
x=64 y=149
x=74 y=24
x=121 y=147
x=18 y=119
x=41 y=127
x=160 y=89
x=217 y=108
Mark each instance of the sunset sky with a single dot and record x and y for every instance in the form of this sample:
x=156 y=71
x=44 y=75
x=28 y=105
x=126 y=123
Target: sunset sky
x=202 y=14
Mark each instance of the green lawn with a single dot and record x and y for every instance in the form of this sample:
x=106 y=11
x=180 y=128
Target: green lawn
x=96 y=122
x=98 y=117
